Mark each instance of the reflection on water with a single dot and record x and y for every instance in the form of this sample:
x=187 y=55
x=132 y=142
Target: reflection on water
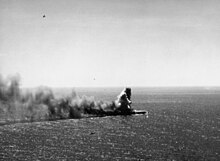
x=179 y=127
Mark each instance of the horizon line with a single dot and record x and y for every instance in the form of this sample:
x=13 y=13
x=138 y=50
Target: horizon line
x=169 y=86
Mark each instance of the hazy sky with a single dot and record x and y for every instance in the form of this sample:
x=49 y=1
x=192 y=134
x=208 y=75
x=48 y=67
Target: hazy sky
x=111 y=42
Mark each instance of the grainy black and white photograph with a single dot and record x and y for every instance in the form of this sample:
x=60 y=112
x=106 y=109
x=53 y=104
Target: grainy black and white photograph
x=123 y=80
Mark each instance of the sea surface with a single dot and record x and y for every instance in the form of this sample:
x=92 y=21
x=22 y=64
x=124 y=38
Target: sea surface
x=182 y=124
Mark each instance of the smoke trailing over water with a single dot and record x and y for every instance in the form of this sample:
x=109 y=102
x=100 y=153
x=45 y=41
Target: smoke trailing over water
x=17 y=105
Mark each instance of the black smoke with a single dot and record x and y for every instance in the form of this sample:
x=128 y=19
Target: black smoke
x=17 y=105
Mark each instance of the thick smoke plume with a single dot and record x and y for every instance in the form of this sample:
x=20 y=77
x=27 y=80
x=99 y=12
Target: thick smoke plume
x=17 y=105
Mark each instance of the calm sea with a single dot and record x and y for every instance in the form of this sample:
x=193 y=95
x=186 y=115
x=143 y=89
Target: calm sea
x=183 y=124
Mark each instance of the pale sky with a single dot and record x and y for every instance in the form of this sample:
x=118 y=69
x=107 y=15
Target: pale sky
x=111 y=42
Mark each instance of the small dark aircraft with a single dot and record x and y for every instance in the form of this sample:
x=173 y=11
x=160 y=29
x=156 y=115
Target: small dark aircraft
x=44 y=16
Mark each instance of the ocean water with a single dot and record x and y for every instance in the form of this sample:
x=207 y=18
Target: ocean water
x=182 y=124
